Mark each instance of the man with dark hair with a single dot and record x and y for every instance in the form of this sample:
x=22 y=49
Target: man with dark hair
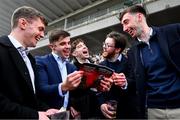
x=56 y=75
x=113 y=47
x=18 y=75
x=80 y=52
x=154 y=63
x=85 y=100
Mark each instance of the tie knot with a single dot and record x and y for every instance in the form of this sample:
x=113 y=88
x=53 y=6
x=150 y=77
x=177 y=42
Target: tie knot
x=23 y=51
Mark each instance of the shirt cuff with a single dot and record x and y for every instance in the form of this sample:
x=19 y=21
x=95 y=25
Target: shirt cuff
x=125 y=86
x=61 y=93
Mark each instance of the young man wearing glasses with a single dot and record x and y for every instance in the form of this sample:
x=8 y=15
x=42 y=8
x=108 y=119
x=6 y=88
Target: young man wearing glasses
x=113 y=46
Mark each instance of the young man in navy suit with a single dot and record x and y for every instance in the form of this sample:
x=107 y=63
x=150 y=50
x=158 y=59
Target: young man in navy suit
x=18 y=98
x=154 y=63
x=56 y=75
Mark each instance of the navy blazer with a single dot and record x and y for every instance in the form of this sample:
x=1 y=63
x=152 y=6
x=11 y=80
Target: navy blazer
x=126 y=108
x=17 y=98
x=169 y=41
x=49 y=78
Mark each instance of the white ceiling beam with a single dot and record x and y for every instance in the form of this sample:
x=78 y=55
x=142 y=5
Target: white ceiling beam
x=90 y=2
x=67 y=6
x=78 y=11
x=51 y=7
x=78 y=4
x=42 y=9
x=59 y=8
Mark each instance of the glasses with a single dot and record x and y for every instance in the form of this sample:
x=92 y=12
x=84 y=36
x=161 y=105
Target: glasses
x=106 y=45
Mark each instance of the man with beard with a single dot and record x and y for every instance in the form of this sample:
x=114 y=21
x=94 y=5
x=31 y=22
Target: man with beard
x=113 y=46
x=85 y=100
x=154 y=63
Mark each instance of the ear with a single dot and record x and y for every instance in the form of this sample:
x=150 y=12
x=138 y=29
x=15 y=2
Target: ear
x=118 y=50
x=139 y=16
x=22 y=23
x=51 y=46
x=74 y=53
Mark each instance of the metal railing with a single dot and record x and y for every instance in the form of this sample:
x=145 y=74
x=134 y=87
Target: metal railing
x=113 y=10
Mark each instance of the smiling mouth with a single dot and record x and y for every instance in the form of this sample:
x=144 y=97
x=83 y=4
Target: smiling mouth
x=131 y=32
x=38 y=38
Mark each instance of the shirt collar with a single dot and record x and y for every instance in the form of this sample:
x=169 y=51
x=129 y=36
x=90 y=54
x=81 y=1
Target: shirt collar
x=150 y=34
x=57 y=58
x=15 y=42
x=118 y=59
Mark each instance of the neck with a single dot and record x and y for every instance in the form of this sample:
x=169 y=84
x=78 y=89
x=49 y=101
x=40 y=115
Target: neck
x=145 y=35
x=114 y=58
x=18 y=36
x=82 y=60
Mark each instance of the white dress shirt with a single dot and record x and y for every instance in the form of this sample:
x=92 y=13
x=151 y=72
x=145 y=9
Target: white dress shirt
x=22 y=51
x=63 y=71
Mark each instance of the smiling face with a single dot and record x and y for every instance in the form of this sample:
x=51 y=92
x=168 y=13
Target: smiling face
x=132 y=24
x=27 y=26
x=33 y=31
x=108 y=48
x=62 y=47
x=81 y=51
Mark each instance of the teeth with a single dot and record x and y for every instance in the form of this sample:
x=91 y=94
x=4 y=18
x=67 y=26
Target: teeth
x=37 y=39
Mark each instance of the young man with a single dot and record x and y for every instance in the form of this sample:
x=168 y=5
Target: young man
x=56 y=75
x=154 y=64
x=17 y=89
x=83 y=100
x=113 y=47
x=80 y=55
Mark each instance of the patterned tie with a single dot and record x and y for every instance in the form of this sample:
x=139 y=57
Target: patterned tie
x=24 y=53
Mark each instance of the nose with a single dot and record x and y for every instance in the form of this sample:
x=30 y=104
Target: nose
x=68 y=45
x=124 y=28
x=85 y=47
x=42 y=34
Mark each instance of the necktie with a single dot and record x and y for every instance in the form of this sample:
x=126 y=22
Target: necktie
x=23 y=53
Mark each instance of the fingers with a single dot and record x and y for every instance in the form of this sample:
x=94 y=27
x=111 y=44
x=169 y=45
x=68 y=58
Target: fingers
x=119 y=79
x=74 y=113
x=106 y=112
x=105 y=84
x=74 y=79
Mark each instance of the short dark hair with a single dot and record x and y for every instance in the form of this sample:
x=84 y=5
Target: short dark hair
x=119 y=39
x=57 y=34
x=75 y=43
x=28 y=13
x=133 y=9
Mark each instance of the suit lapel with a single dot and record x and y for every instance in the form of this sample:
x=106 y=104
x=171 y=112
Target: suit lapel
x=19 y=62
x=55 y=66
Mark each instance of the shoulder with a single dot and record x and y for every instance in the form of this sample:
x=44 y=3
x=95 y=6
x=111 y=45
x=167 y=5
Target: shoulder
x=71 y=66
x=103 y=62
x=168 y=28
x=4 y=41
x=44 y=58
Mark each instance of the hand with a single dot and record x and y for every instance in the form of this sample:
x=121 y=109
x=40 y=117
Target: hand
x=119 y=79
x=105 y=84
x=106 y=112
x=73 y=80
x=51 y=111
x=43 y=116
x=75 y=114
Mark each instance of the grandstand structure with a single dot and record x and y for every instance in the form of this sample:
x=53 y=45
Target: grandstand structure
x=90 y=20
